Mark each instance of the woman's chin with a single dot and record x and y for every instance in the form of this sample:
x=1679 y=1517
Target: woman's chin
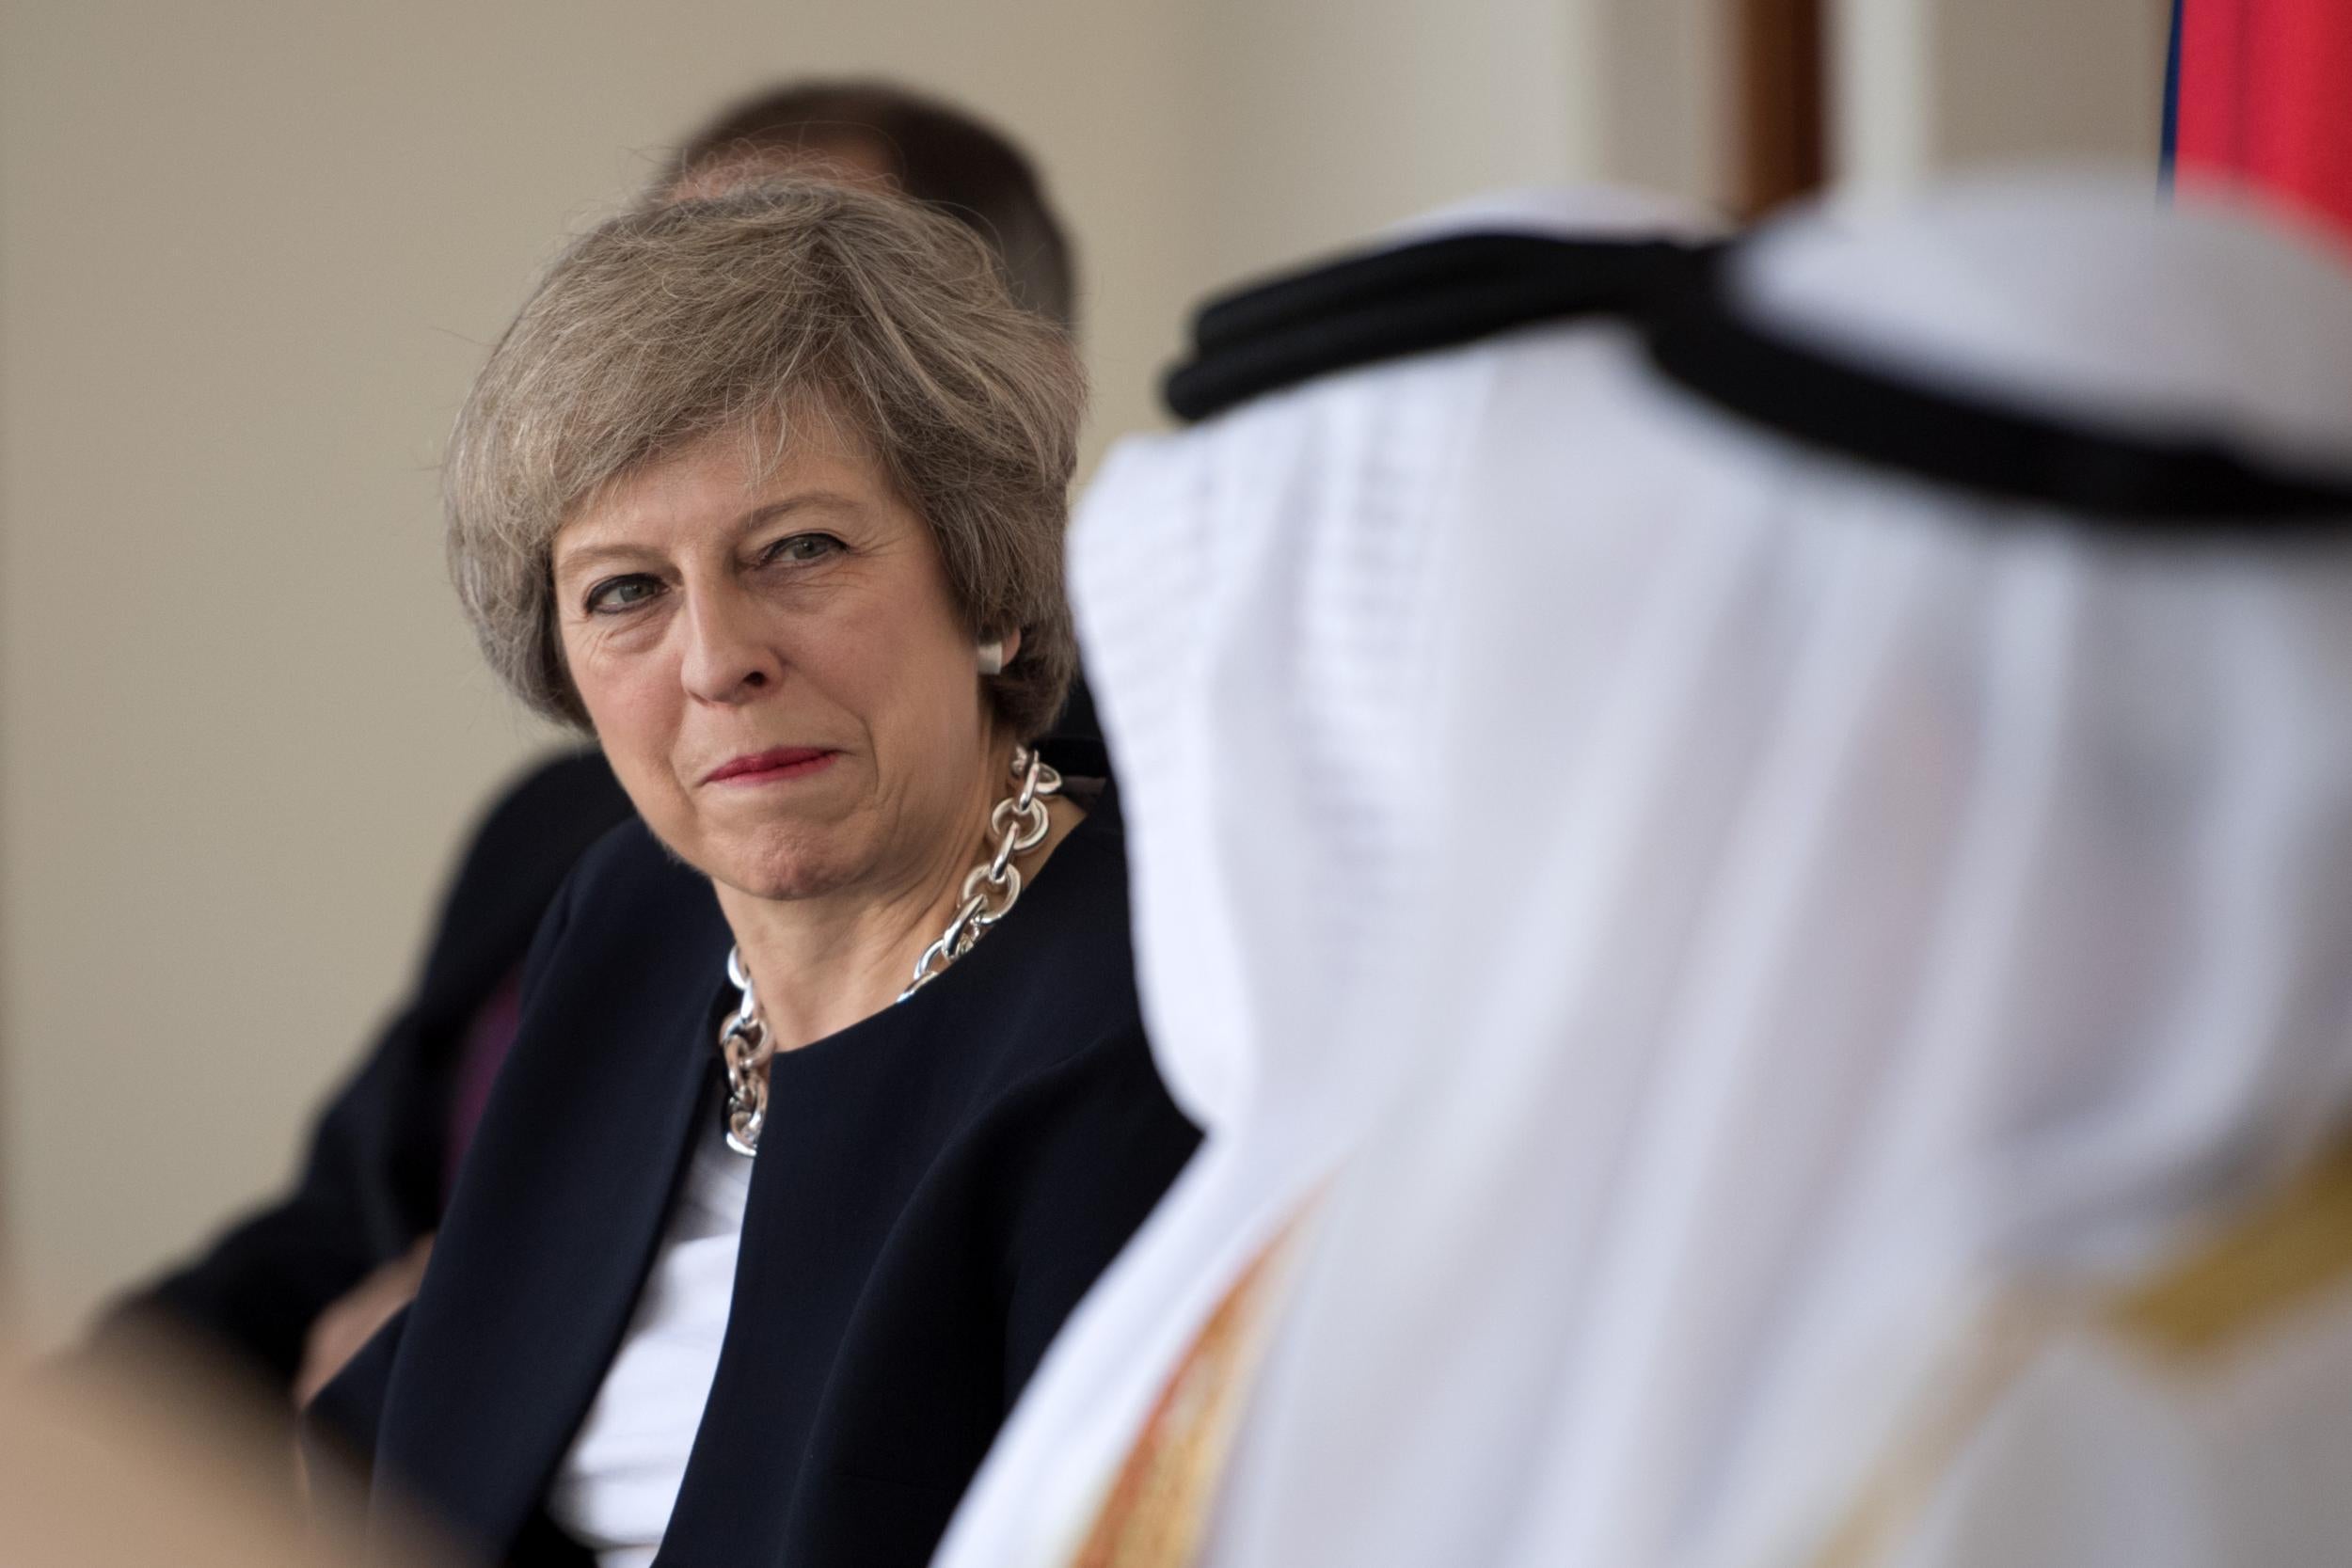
x=781 y=866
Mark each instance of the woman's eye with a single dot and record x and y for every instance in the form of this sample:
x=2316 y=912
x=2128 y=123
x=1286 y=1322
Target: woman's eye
x=800 y=549
x=621 y=594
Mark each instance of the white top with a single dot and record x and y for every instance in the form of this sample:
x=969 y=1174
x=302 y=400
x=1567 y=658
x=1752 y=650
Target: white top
x=615 y=1488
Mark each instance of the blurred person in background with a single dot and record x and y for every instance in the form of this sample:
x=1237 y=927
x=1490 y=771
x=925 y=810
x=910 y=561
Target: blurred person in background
x=1783 y=996
x=922 y=149
x=292 y=1291
x=830 y=1094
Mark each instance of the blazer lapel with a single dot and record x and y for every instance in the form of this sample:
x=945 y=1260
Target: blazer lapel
x=553 y=1231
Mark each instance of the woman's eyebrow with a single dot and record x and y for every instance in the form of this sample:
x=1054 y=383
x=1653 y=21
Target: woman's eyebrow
x=806 y=500
x=567 y=560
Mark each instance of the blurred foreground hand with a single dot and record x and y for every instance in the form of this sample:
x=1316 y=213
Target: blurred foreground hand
x=151 y=1460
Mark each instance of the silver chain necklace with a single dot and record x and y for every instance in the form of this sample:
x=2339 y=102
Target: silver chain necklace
x=1020 y=824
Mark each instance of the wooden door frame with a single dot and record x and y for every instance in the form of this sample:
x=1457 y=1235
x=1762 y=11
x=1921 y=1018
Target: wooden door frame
x=1778 y=124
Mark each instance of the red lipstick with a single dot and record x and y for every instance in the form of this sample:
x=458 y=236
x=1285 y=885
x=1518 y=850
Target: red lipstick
x=767 y=767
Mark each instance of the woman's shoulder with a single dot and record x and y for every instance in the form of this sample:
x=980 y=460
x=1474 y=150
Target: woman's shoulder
x=629 y=909
x=629 y=880
x=1056 y=978
x=627 y=856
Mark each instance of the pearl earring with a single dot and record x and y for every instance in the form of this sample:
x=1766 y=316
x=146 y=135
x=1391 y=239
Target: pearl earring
x=993 y=657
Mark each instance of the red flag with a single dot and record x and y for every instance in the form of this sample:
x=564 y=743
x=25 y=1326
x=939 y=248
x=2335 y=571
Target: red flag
x=2262 y=96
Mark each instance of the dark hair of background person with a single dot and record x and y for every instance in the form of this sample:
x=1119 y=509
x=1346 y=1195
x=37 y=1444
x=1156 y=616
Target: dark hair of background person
x=932 y=152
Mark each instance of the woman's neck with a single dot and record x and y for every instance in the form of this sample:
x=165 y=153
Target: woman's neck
x=821 y=964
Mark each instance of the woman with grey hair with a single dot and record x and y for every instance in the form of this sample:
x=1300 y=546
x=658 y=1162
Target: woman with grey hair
x=830 y=1097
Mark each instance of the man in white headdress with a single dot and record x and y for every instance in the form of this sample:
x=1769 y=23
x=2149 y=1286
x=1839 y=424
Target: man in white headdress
x=1759 y=915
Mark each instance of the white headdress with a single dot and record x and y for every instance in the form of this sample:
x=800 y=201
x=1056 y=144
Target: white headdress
x=1698 y=916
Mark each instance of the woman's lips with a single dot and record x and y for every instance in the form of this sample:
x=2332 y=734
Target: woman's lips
x=779 y=761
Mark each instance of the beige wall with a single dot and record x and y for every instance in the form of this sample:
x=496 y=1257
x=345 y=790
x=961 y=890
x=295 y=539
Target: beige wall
x=1921 y=86
x=249 y=253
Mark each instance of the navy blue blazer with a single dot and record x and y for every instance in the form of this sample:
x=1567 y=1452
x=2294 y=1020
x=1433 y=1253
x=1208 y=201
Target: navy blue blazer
x=936 y=1187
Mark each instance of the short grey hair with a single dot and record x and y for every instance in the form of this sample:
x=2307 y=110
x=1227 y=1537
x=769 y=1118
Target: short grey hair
x=750 y=313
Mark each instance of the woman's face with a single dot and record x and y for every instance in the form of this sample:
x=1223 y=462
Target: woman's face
x=777 y=669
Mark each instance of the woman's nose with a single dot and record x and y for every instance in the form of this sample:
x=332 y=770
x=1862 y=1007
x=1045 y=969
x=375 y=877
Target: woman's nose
x=727 y=659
